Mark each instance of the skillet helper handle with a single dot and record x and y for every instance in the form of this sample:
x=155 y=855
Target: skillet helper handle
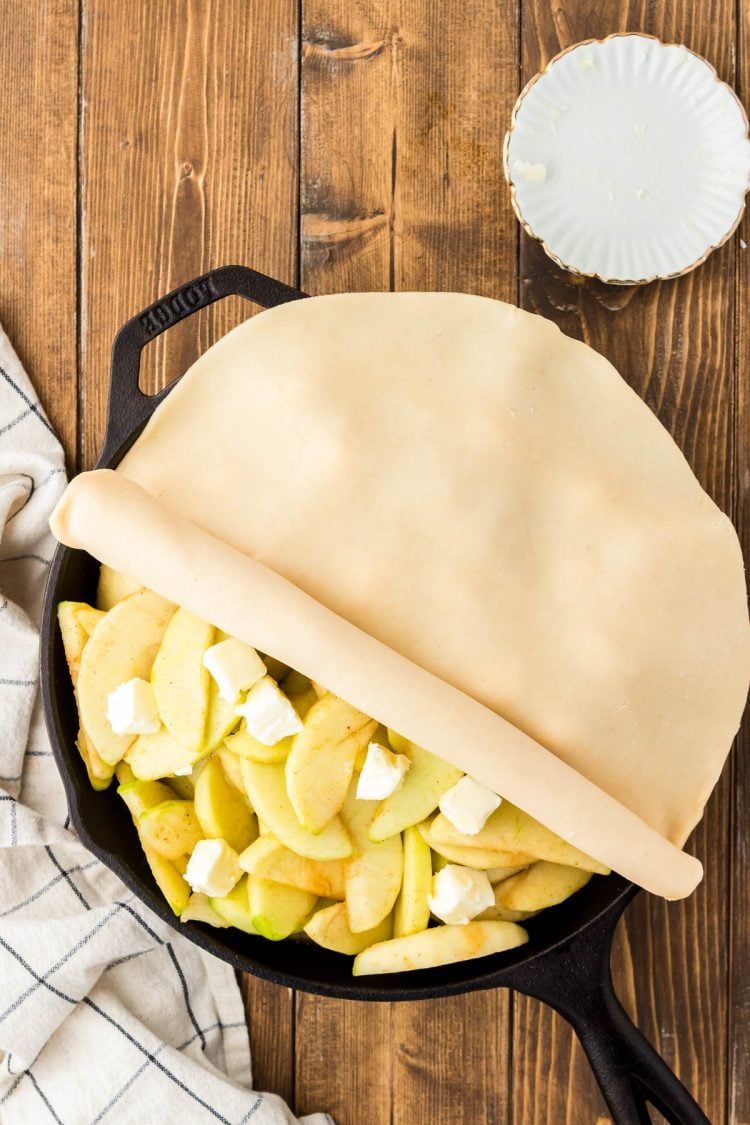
x=576 y=980
x=129 y=407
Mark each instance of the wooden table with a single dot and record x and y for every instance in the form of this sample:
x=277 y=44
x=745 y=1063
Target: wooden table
x=355 y=144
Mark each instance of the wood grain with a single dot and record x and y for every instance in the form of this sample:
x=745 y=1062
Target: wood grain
x=400 y=182
x=197 y=146
x=38 y=141
x=673 y=342
x=738 y=1047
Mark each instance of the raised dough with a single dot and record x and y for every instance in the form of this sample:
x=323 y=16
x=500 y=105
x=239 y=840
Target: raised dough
x=488 y=499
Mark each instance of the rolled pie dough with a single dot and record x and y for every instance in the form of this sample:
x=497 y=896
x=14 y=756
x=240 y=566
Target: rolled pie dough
x=467 y=525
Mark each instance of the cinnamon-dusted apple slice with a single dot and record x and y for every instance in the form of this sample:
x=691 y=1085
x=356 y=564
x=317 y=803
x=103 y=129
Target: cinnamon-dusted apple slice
x=484 y=859
x=157 y=755
x=180 y=681
x=234 y=908
x=542 y=885
x=509 y=830
x=329 y=927
x=428 y=778
x=268 y=859
x=442 y=945
x=375 y=871
x=321 y=761
x=171 y=828
x=121 y=648
x=168 y=879
x=266 y=788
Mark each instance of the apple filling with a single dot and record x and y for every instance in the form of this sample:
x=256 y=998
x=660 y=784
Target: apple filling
x=265 y=802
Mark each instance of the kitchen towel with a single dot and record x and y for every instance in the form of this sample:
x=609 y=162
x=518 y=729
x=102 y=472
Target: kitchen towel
x=106 y=1014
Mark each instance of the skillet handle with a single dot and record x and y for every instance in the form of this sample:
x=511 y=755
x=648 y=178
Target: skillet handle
x=129 y=408
x=576 y=980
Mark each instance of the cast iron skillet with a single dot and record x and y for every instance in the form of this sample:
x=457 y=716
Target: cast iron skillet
x=567 y=960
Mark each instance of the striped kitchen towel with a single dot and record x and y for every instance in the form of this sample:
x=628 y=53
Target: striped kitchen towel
x=106 y=1014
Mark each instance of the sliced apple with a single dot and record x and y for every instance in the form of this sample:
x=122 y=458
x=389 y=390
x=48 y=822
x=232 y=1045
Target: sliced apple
x=184 y=787
x=300 y=693
x=545 y=884
x=277 y=910
x=498 y=874
x=100 y=774
x=114 y=587
x=74 y=635
x=122 y=647
x=412 y=912
x=168 y=879
x=234 y=908
x=245 y=745
x=442 y=945
x=375 y=871
x=222 y=811
x=510 y=830
x=199 y=909
x=170 y=828
x=142 y=795
x=268 y=859
x=180 y=681
x=266 y=788
x=481 y=858
x=321 y=762
x=89 y=617
x=156 y=755
x=230 y=763
x=418 y=795
x=329 y=927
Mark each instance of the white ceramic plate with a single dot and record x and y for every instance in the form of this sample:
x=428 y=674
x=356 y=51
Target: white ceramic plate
x=628 y=159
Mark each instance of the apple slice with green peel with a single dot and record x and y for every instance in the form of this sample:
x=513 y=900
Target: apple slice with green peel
x=418 y=795
x=222 y=811
x=199 y=909
x=412 y=912
x=142 y=795
x=230 y=763
x=375 y=871
x=121 y=648
x=234 y=908
x=329 y=927
x=170 y=828
x=542 y=885
x=277 y=910
x=483 y=859
x=168 y=879
x=123 y=773
x=184 y=787
x=442 y=945
x=266 y=788
x=300 y=693
x=156 y=755
x=321 y=762
x=180 y=681
x=114 y=587
x=510 y=830
x=268 y=859
x=100 y=774
x=245 y=745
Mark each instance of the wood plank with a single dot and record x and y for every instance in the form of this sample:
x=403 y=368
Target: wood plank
x=190 y=162
x=673 y=342
x=38 y=137
x=400 y=188
x=345 y=244
x=175 y=182
x=738 y=1047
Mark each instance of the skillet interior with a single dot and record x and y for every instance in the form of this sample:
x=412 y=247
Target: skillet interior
x=103 y=823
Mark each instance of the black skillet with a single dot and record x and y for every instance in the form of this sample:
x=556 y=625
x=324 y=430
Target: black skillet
x=567 y=960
